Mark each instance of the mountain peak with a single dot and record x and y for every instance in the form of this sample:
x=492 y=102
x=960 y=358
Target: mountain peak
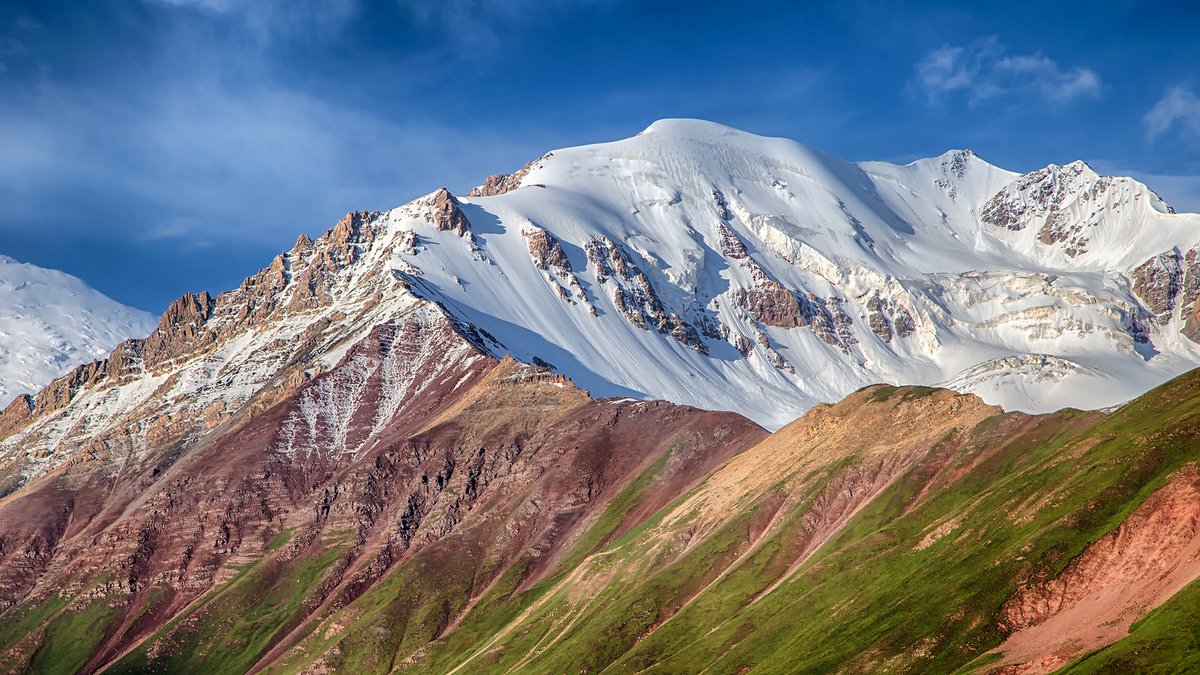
x=51 y=321
x=687 y=127
x=713 y=267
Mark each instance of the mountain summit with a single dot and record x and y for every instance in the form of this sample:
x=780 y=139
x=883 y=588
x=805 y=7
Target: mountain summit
x=713 y=267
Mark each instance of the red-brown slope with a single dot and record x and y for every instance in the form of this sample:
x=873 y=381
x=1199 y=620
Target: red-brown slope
x=413 y=437
x=1149 y=557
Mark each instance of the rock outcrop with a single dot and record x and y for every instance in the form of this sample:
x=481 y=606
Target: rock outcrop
x=1169 y=284
x=502 y=183
x=634 y=295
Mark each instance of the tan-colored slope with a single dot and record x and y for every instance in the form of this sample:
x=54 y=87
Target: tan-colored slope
x=878 y=430
x=823 y=468
x=504 y=399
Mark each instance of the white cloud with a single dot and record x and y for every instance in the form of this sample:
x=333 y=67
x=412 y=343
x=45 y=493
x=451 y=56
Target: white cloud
x=267 y=20
x=206 y=150
x=982 y=72
x=1178 y=108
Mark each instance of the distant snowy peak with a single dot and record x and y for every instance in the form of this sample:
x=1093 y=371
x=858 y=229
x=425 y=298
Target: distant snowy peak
x=51 y=322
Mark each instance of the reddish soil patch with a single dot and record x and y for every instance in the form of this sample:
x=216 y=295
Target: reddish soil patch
x=1117 y=580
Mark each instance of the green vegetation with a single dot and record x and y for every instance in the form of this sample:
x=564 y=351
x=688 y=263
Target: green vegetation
x=72 y=638
x=798 y=577
x=237 y=622
x=1028 y=497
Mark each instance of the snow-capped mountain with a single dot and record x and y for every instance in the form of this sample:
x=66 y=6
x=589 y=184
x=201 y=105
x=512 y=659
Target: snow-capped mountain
x=346 y=440
x=693 y=263
x=51 y=322
x=713 y=267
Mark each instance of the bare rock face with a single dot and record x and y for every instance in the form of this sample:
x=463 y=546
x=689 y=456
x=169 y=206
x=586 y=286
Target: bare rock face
x=888 y=319
x=722 y=205
x=125 y=359
x=634 y=294
x=1158 y=282
x=447 y=213
x=548 y=255
x=497 y=184
x=732 y=245
x=501 y=183
x=16 y=414
x=743 y=345
x=1169 y=284
x=772 y=304
x=829 y=321
x=182 y=330
x=546 y=251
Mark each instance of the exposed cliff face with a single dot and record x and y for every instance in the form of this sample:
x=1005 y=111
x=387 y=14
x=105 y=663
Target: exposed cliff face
x=447 y=214
x=501 y=183
x=1169 y=285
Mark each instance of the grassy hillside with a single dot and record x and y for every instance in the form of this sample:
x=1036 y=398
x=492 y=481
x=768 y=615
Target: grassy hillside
x=890 y=532
x=913 y=581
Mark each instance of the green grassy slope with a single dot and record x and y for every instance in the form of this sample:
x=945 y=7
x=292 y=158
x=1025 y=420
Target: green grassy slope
x=882 y=534
x=1024 y=497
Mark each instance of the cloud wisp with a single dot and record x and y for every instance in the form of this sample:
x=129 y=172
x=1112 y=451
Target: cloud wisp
x=984 y=73
x=1178 y=109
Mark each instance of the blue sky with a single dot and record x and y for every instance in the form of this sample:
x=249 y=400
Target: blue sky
x=157 y=146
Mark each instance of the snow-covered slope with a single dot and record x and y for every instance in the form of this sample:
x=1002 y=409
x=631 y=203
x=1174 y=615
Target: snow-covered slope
x=713 y=267
x=51 y=321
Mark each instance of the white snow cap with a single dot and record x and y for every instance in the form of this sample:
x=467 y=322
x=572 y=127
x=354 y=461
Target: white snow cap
x=1017 y=287
x=51 y=322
